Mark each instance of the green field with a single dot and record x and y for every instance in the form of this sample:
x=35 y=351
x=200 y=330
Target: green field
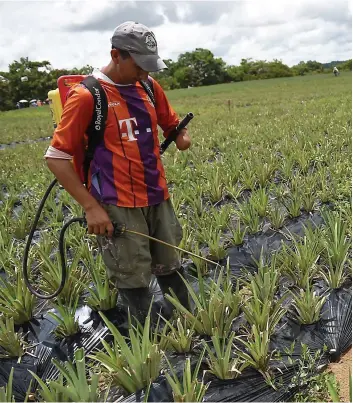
x=282 y=123
x=264 y=154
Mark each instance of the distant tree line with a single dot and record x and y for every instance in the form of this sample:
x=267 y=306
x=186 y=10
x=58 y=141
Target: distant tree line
x=200 y=67
x=32 y=80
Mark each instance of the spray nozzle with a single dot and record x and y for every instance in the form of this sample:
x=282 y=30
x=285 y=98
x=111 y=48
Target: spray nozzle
x=119 y=229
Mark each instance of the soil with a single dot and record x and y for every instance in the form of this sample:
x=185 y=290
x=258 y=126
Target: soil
x=341 y=371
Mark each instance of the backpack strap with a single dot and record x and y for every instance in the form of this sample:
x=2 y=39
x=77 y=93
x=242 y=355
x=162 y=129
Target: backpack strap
x=96 y=128
x=148 y=87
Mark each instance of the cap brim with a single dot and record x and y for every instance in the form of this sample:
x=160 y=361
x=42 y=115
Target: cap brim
x=149 y=62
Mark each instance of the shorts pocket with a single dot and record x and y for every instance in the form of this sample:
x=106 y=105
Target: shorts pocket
x=175 y=224
x=178 y=233
x=120 y=255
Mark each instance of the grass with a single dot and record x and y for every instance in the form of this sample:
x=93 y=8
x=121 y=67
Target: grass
x=16 y=301
x=222 y=364
x=6 y=392
x=308 y=305
x=281 y=150
x=73 y=385
x=133 y=366
x=37 y=121
x=177 y=337
x=12 y=343
x=190 y=389
x=217 y=304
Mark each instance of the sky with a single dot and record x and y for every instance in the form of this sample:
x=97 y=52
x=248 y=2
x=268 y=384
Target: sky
x=76 y=33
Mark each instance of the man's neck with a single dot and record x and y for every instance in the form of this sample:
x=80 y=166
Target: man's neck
x=111 y=73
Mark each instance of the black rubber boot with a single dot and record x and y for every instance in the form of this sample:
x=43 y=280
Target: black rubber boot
x=138 y=300
x=175 y=282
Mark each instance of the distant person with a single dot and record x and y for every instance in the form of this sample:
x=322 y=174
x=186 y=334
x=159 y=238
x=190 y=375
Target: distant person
x=335 y=71
x=127 y=179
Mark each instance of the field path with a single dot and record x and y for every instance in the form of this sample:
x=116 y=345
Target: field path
x=16 y=143
x=341 y=371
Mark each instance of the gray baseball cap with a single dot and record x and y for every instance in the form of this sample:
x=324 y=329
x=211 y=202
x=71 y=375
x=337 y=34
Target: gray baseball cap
x=141 y=43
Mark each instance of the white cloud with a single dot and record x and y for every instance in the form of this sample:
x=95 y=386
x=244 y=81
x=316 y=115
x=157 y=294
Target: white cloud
x=75 y=33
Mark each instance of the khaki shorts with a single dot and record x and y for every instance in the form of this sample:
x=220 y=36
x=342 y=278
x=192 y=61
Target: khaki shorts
x=131 y=259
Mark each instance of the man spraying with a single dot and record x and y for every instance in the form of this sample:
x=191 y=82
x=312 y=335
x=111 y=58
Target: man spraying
x=127 y=182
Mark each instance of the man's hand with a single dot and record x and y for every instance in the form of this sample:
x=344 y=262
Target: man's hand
x=183 y=140
x=98 y=221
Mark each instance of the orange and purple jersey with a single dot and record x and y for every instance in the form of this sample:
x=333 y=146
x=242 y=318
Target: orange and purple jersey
x=126 y=170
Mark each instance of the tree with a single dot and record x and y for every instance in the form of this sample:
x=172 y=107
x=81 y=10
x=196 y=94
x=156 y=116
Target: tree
x=314 y=66
x=166 y=78
x=277 y=68
x=235 y=73
x=40 y=79
x=185 y=76
x=200 y=67
x=197 y=68
x=300 y=69
x=5 y=102
x=346 y=65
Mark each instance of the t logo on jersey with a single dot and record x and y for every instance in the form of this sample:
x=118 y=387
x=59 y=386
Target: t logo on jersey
x=128 y=125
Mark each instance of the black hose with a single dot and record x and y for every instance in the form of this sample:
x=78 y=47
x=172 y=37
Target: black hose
x=61 y=249
x=81 y=220
x=28 y=246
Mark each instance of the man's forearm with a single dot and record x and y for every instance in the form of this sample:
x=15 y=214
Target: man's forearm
x=68 y=178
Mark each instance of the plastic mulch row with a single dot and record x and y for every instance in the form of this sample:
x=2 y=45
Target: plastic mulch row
x=334 y=330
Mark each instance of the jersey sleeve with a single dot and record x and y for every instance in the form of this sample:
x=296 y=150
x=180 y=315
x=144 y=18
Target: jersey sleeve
x=166 y=116
x=69 y=136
